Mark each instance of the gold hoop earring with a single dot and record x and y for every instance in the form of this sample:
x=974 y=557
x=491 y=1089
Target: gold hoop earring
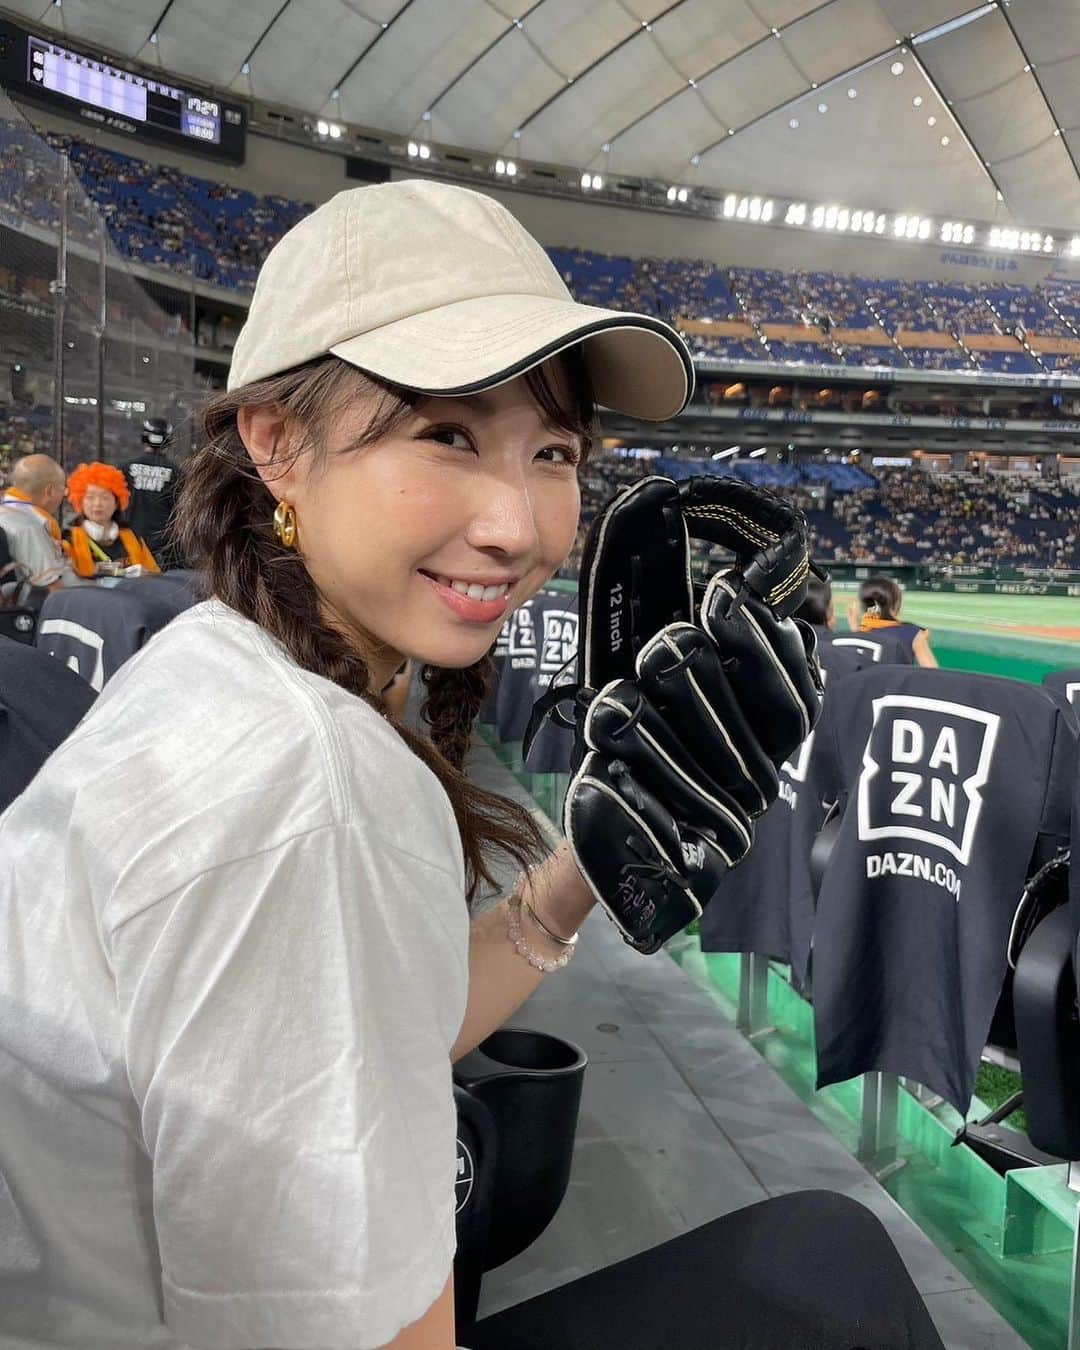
x=285 y=525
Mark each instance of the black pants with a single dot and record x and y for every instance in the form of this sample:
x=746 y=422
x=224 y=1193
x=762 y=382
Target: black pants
x=810 y=1271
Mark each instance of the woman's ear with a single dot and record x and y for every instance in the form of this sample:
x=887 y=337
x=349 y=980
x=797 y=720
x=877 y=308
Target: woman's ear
x=263 y=429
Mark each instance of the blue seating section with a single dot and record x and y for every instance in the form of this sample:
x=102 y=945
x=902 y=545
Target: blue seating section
x=220 y=234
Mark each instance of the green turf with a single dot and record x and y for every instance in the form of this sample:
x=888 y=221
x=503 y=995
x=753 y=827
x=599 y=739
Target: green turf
x=979 y=613
x=994 y=1085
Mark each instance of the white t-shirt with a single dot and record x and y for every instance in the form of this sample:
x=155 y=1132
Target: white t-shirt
x=233 y=961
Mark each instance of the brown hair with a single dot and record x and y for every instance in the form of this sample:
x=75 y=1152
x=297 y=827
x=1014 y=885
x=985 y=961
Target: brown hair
x=882 y=593
x=224 y=525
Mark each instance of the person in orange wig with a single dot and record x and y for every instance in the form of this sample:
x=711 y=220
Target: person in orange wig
x=98 y=544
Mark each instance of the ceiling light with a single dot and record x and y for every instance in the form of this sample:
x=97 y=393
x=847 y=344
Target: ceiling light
x=1057 y=131
x=1026 y=69
x=916 y=102
x=794 y=124
x=153 y=39
x=335 y=93
x=1074 y=246
x=853 y=93
x=944 y=140
x=759 y=451
x=646 y=26
x=425 y=151
x=897 y=67
x=500 y=166
x=245 y=69
x=323 y=128
x=597 y=182
x=412 y=147
x=776 y=32
x=517 y=135
x=1000 y=197
x=695 y=159
x=683 y=194
x=586 y=181
x=931 y=121
x=823 y=107
x=426 y=116
x=692 y=83
x=671 y=194
x=335 y=132
x=606 y=147
x=518 y=23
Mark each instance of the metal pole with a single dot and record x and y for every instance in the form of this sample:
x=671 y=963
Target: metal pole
x=103 y=311
x=59 y=289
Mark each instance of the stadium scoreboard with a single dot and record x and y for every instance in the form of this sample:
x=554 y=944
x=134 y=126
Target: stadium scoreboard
x=144 y=106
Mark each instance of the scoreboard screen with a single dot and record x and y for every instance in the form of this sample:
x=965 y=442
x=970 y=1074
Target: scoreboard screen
x=143 y=106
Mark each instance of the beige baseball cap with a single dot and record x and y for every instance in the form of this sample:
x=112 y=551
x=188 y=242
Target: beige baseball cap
x=440 y=289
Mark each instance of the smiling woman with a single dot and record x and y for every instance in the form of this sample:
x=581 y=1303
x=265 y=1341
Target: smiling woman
x=260 y=912
x=401 y=501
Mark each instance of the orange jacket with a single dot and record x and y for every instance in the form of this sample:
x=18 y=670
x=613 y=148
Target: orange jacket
x=84 y=562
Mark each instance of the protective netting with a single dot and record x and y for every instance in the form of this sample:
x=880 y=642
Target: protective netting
x=87 y=348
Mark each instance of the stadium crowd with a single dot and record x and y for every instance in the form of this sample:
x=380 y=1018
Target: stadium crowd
x=217 y=232
x=900 y=516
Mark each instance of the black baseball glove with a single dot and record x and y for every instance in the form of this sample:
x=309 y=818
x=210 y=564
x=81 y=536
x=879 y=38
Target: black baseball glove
x=687 y=700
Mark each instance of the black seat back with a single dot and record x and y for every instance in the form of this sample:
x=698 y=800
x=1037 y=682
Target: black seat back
x=535 y=643
x=95 y=629
x=40 y=703
x=954 y=787
x=877 y=647
x=1064 y=686
x=766 y=905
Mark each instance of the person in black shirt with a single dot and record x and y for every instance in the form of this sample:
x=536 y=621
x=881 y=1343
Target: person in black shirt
x=152 y=480
x=877 y=611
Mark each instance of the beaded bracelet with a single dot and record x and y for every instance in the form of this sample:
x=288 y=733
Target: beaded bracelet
x=513 y=931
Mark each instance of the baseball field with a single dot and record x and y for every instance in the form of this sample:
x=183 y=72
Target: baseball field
x=1020 y=636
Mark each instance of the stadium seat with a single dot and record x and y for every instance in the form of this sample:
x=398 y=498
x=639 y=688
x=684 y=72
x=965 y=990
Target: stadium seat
x=765 y=906
x=953 y=789
x=94 y=629
x=534 y=645
x=876 y=646
x=40 y=703
x=1064 y=686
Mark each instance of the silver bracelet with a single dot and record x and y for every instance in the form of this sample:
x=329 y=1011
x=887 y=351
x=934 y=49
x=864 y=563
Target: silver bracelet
x=562 y=942
x=513 y=931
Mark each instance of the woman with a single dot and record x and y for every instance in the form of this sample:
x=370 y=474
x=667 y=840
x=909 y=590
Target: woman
x=877 y=610
x=236 y=968
x=97 y=543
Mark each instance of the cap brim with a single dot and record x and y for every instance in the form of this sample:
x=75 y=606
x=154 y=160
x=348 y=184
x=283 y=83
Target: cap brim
x=638 y=365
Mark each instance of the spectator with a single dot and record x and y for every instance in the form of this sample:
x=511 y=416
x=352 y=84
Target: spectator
x=878 y=608
x=28 y=518
x=100 y=545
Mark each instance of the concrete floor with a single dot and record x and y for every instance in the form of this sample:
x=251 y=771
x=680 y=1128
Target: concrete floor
x=682 y=1121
